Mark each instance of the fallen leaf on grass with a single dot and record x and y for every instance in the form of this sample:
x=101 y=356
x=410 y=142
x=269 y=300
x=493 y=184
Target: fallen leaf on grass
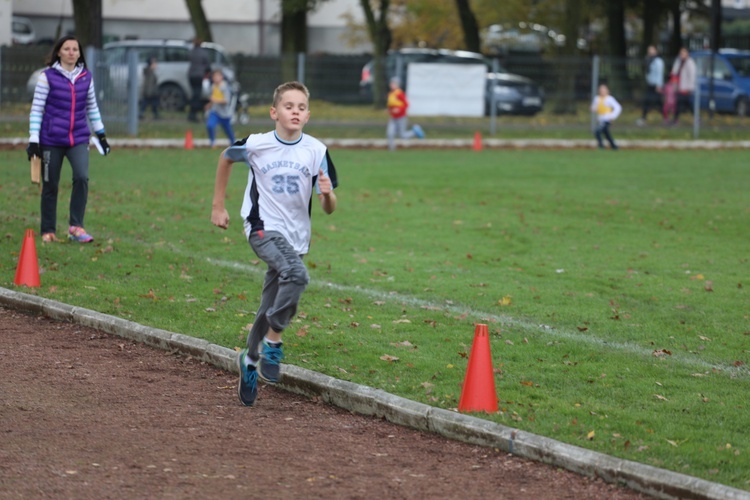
x=505 y=301
x=590 y=435
x=659 y=396
x=389 y=358
x=404 y=343
x=150 y=295
x=661 y=352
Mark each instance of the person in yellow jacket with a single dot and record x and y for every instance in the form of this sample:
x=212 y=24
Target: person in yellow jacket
x=607 y=110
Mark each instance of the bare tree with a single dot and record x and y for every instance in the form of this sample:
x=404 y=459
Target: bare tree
x=469 y=25
x=87 y=16
x=615 y=12
x=565 y=103
x=380 y=35
x=293 y=34
x=653 y=12
x=198 y=18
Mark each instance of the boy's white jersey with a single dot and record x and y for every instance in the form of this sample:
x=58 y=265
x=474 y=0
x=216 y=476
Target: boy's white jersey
x=280 y=184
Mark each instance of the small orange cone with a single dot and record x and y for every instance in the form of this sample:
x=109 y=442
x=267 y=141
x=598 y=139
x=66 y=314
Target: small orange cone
x=189 y=139
x=477 y=141
x=478 y=393
x=27 y=272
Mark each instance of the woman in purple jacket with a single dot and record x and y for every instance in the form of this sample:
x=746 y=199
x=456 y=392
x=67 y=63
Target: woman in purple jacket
x=64 y=104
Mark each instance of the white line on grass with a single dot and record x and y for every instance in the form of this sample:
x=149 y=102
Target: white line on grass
x=503 y=320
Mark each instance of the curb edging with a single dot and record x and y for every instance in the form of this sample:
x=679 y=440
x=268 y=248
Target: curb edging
x=374 y=402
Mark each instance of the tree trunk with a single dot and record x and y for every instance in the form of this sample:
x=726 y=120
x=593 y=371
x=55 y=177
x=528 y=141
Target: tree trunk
x=566 y=102
x=652 y=13
x=87 y=16
x=293 y=36
x=618 y=83
x=675 y=41
x=380 y=35
x=198 y=18
x=469 y=26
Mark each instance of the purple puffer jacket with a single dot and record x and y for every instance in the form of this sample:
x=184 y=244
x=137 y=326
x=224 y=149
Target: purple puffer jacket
x=64 y=123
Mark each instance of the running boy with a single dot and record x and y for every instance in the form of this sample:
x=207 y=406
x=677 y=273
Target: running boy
x=285 y=166
x=607 y=110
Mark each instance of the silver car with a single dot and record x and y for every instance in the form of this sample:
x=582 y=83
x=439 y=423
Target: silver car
x=173 y=60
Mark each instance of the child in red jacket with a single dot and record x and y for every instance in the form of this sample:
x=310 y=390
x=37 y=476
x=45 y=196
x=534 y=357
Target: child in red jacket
x=398 y=122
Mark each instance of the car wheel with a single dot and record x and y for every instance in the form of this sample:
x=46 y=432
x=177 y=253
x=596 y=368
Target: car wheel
x=171 y=98
x=741 y=107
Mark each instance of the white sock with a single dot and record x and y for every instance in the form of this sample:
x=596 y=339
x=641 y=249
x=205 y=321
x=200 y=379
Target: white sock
x=249 y=361
x=272 y=343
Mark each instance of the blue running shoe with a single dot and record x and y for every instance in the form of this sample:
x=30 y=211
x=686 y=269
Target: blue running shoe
x=418 y=131
x=79 y=234
x=247 y=389
x=270 y=357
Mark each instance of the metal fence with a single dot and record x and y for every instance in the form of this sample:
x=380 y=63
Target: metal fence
x=567 y=82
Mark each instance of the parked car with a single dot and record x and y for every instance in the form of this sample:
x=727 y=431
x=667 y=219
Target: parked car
x=731 y=80
x=513 y=94
x=173 y=60
x=22 y=30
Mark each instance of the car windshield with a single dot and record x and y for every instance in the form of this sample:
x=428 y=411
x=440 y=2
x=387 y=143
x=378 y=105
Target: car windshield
x=741 y=65
x=217 y=56
x=21 y=28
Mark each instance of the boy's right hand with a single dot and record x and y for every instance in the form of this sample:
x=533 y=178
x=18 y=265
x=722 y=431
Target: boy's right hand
x=220 y=218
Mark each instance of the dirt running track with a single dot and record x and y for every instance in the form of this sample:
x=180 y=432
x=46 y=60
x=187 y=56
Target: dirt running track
x=84 y=414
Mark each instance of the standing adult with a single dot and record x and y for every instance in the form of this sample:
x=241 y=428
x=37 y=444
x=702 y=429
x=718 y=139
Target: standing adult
x=684 y=73
x=200 y=67
x=654 y=83
x=64 y=104
x=150 y=91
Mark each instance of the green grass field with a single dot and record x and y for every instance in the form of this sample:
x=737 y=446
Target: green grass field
x=614 y=284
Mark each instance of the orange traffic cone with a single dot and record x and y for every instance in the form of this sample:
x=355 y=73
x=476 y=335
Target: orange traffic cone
x=477 y=141
x=27 y=272
x=189 y=139
x=478 y=393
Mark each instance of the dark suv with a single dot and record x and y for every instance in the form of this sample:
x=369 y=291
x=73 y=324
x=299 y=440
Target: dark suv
x=513 y=94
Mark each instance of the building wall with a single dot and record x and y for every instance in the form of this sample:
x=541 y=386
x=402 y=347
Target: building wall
x=235 y=25
x=6 y=13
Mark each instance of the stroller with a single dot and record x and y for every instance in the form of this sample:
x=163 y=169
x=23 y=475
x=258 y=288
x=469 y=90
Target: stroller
x=239 y=113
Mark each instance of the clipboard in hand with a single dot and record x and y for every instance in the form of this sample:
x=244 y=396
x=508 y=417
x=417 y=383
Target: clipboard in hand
x=36 y=170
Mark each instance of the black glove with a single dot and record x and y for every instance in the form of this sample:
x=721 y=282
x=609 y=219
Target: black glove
x=33 y=149
x=104 y=143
